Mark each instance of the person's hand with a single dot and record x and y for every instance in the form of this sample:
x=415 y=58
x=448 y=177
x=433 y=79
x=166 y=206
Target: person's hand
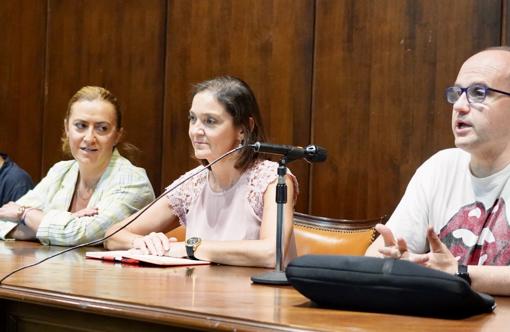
x=10 y=212
x=177 y=249
x=397 y=247
x=153 y=244
x=439 y=257
x=393 y=248
x=86 y=212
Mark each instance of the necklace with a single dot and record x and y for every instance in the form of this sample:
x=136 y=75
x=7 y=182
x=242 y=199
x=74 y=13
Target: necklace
x=86 y=193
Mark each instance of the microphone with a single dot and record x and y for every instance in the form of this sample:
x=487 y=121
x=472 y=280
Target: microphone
x=106 y=237
x=312 y=153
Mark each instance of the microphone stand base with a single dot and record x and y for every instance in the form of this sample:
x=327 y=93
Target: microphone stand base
x=271 y=278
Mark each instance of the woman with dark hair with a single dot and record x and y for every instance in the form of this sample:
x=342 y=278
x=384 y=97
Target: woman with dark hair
x=229 y=211
x=80 y=198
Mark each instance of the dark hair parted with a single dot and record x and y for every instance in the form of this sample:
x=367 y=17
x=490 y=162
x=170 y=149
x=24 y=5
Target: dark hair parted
x=239 y=101
x=91 y=93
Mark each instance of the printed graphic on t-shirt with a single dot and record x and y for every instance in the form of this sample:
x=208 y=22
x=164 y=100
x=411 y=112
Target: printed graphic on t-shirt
x=478 y=236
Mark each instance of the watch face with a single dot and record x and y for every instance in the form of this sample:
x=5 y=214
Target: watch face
x=192 y=240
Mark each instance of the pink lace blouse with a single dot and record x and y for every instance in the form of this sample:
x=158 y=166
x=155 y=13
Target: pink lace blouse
x=234 y=214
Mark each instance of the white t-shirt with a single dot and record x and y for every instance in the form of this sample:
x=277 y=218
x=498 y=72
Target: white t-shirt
x=468 y=213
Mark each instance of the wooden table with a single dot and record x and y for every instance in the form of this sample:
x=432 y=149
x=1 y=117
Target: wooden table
x=70 y=292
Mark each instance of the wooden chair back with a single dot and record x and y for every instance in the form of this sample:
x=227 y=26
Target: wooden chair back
x=321 y=235
x=179 y=233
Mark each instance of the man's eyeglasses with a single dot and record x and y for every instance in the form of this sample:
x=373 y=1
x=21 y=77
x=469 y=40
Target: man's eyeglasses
x=475 y=93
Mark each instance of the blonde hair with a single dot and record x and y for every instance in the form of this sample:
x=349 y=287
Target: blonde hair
x=91 y=93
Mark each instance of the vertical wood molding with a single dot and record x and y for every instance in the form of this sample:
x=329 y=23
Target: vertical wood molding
x=115 y=44
x=22 y=73
x=363 y=78
x=505 y=16
x=266 y=43
x=381 y=68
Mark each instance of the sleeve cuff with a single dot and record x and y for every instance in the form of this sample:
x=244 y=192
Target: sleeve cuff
x=52 y=220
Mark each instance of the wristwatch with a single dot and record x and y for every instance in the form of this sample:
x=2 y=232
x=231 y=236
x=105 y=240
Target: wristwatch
x=191 y=246
x=463 y=273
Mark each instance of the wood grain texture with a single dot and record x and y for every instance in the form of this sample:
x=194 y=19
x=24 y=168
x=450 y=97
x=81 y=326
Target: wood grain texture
x=115 y=44
x=365 y=79
x=22 y=54
x=71 y=288
x=380 y=71
x=266 y=43
x=505 y=22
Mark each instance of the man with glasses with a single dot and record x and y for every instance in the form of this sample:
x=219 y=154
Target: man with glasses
x=454 y=214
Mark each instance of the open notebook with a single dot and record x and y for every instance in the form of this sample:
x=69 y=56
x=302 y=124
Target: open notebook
x=128 y=257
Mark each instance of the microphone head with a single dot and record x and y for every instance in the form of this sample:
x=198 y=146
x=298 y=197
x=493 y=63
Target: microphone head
x=255 y=146
x=315 y=153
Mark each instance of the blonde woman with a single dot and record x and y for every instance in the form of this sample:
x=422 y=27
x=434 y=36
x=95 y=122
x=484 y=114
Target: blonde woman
x=79 y=199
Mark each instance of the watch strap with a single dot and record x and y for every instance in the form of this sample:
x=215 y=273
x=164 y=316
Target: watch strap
x=191 y=245
x=190 y=252
x=462 y=272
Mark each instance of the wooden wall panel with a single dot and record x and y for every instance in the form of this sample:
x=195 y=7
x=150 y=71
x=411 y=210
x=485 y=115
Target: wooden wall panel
x=505 y=22
x=363 y=78
x=266 y=43
x=22 y=53
x=116 y=44
x=380 y=71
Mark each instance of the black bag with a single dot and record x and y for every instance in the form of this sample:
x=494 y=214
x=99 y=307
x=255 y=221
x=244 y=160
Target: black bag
x=384 y=285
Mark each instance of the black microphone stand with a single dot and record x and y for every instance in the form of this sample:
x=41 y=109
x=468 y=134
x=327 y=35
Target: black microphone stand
x=277 y=277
